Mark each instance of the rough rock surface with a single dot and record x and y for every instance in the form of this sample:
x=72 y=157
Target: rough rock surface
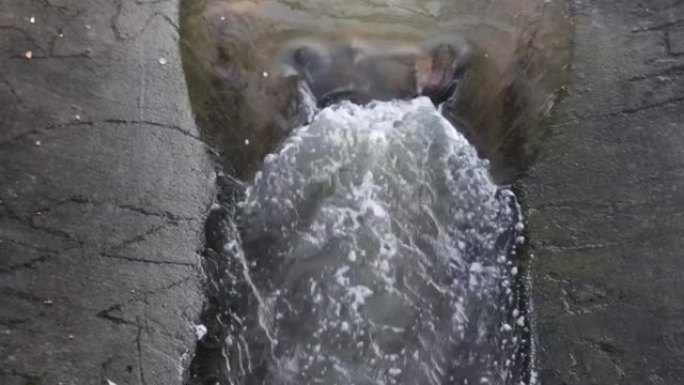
x=606 y=199
x=104 y=186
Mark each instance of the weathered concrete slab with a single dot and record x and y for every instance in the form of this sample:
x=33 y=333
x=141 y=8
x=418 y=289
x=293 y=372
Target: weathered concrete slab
x=605 y=204
x=104 y=186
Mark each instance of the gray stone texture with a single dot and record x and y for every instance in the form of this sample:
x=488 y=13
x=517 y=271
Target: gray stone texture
x=606 y=202
x=104 y=187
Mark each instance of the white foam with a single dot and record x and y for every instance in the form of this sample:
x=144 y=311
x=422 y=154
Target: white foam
x=376 y=217
x=200 y=331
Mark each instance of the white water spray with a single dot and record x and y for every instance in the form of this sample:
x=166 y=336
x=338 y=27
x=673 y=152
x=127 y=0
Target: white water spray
x=376 y=251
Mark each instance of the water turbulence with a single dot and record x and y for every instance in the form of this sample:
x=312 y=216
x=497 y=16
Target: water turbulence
x=374 y=248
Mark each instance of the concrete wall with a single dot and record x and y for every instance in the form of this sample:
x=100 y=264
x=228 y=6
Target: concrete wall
x=104 y=186
x=606 y=203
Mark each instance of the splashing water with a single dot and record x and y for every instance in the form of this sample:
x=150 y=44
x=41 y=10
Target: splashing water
x=375 y=250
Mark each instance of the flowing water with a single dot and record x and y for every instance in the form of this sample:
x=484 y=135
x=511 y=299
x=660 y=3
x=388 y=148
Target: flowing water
x=373 y=246
x=375 y=249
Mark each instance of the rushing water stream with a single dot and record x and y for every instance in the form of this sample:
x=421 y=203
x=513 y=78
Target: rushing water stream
x=374 y=249
x=373 y=246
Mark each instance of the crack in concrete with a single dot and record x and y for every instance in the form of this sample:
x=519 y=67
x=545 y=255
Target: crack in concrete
x=11 y=88
x=11 y=322
x=651 y=106
x=658 y=27
x=677 y=70
x=27 y=36
x=594 y=206
x=104 y=367
x=81 y=199
x=49 y=4
x=23 y=295
x=137 y=238
x=119 y=35
x=49 y=52
x=144 y=260
x=62 y=226
x=60 y=30
x=141 y=296
x=25 y=265
x=78 y=199
x=29 y=379
x=581 y=247
x=173 y=127
x=113 y=121
x=53 y=231
x=141 y=2
x=108 y=252
x=105 y=314
x=668 y=45
x=611 y=351
x=30 y=246
x=37 y=131
x=26 y=222
x=164 y=214
x=140 y=355
x=576 y=117
x=643 y=243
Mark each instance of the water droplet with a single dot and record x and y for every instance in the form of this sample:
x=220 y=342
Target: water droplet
x=394 y=372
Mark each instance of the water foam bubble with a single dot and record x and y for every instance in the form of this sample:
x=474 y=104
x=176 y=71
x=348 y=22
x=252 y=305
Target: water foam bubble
x=383 y=244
